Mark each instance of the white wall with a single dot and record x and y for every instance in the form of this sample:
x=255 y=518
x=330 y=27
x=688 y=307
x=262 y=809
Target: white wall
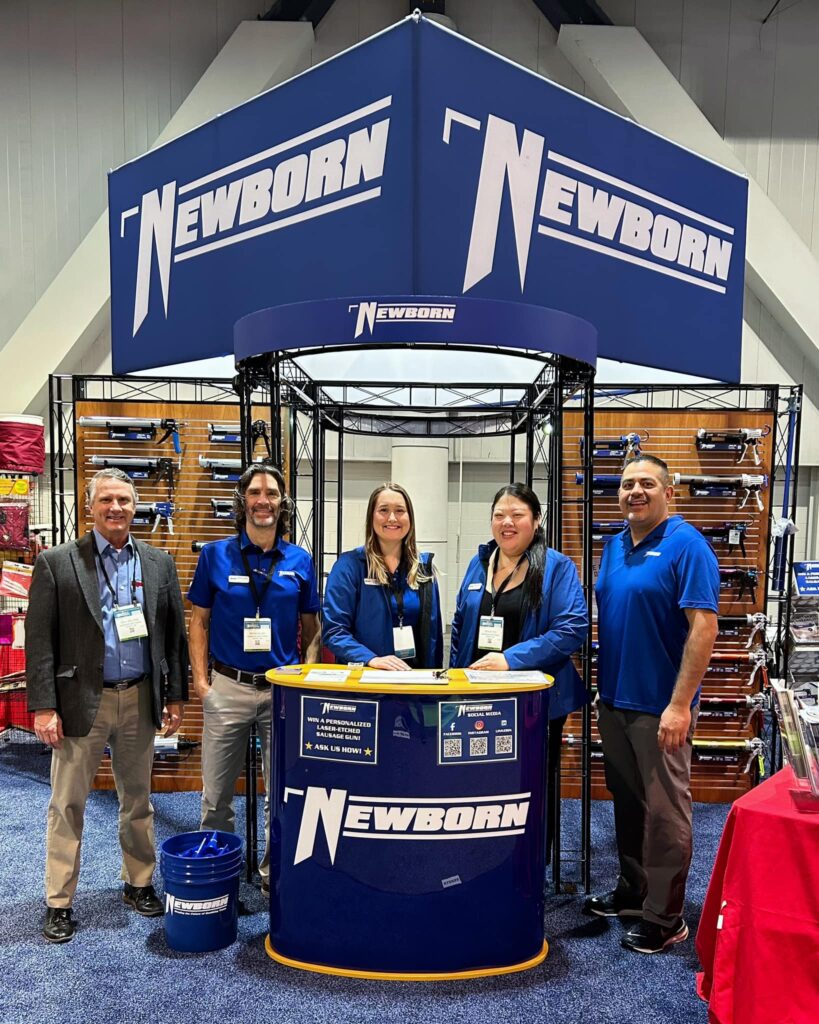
x=757 y=84
x=85 y=86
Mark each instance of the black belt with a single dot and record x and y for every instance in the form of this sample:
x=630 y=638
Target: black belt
x=122 y=684
x=256 y=679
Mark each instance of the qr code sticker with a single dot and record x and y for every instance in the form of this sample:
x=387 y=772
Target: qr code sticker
x=452 y=746
x=503 y=744
x=478 y=746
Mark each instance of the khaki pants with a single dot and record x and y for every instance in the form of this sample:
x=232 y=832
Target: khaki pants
x=230 y=709
x=652 y=811
x=124 y=722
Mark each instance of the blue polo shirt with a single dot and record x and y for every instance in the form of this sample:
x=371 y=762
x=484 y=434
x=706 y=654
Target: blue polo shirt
x=220 y=583
x=642 y=591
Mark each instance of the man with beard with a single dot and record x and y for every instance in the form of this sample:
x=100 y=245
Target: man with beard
x=251 y=594
x=657 y=600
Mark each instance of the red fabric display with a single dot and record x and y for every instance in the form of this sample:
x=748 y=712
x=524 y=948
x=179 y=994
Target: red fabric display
x=759 y=931
x=13 y=526
x=22 y=444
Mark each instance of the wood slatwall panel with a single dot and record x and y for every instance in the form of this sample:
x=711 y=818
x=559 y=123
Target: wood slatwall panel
x=672 y=437
x=193 y=520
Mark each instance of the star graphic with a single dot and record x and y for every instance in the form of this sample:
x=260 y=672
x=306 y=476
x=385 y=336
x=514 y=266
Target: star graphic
x=308 y=746
x=368 y=752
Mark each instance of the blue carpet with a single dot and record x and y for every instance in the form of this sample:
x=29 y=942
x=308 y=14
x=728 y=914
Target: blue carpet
x=119 y=967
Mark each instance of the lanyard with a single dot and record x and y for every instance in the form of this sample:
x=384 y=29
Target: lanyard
x=257 y=597
x=108 y=579
x=398 y=594
x=497 y=593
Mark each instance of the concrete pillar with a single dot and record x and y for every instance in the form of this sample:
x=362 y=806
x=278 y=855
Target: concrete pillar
x=422 y=469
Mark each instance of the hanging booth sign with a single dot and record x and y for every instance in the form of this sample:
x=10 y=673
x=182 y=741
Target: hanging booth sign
x=421 y=164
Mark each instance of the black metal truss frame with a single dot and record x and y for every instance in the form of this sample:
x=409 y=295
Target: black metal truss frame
x=710 y=397
x=786 y=438
x=530 y=412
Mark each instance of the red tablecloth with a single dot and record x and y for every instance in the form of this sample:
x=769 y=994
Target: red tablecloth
x=758 y=940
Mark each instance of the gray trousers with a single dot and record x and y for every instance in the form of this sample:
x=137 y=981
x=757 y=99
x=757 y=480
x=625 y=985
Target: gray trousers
x=124 y=722
x=230 y=709
x=652 y=811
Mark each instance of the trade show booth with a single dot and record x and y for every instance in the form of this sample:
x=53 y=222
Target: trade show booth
x=419 y=239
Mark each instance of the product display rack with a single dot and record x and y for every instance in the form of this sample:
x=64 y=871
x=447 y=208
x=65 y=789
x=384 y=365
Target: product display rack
x=16 y=723
x=736 y=736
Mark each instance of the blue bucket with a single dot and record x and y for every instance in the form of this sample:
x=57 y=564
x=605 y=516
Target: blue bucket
x=200 y=872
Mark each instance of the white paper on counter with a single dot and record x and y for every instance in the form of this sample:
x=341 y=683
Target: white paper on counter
x=417 y=678
x=475 y=676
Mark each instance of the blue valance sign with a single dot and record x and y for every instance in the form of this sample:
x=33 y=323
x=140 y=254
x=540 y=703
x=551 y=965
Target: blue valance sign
x=419 y=163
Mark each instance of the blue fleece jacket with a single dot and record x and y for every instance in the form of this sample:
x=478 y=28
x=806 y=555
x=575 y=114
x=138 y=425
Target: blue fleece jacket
x=548 y=637
x=357 y=617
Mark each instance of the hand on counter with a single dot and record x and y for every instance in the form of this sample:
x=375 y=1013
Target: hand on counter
x=494 y=661
x=390 y=663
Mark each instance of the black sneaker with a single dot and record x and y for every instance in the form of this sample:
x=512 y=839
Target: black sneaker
x=610 y=904
x=143 y=899
x=59 y=924
x=648 y=937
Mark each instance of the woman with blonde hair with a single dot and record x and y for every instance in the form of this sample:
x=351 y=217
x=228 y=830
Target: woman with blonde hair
x=381 y=603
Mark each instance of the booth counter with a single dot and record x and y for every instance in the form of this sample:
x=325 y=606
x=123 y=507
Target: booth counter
x=407 y=822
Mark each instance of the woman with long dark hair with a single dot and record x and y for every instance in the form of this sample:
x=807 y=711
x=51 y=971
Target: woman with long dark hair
x=520 y=606
x=381 y=603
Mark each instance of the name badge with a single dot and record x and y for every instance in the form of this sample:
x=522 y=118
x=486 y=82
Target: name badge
x=258 y=634
x=475 y=586
x=130 y=623
x=371 y=583
x=287 y=572
x=490 y=633
x=238 y=579
x=403 y=640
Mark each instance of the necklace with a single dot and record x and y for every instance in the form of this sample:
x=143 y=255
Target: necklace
x=513 y=565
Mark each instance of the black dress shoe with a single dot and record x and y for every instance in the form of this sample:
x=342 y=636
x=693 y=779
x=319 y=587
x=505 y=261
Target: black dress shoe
x=648 y=937
x=143 y=899
x=59 y=924
x=610 y=904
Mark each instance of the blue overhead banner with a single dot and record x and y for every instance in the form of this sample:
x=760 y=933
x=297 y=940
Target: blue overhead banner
x=420 y=164
x=421 y=319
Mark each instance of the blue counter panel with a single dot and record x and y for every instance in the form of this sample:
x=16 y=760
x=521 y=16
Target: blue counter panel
x=407 y=865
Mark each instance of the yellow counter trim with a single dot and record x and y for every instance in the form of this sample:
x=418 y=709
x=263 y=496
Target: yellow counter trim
x=293 y=676
x=485 y=972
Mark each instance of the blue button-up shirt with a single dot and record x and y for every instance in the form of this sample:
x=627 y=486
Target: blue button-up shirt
x=126 y=659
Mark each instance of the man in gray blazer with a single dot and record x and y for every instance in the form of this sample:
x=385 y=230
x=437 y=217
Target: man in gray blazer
x=106 y=664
